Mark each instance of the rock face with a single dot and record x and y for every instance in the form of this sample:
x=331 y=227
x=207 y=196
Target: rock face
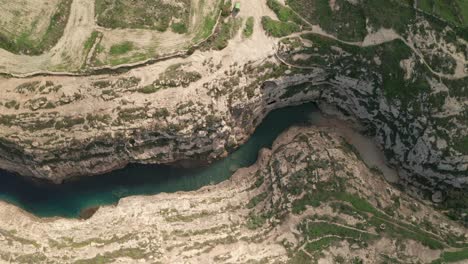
x=309 y=198
x=200 y=107
x=172 y=125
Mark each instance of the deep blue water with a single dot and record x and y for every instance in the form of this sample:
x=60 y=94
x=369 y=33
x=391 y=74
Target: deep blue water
x=69 y=198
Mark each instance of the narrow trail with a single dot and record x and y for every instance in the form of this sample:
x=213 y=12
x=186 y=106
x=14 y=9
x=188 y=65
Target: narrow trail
x=377 y=38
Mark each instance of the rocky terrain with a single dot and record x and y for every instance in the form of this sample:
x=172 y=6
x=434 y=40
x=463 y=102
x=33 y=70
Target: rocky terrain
x=308 y=199
x=96 y=101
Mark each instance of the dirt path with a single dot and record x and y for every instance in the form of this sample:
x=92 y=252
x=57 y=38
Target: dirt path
x=380 y=37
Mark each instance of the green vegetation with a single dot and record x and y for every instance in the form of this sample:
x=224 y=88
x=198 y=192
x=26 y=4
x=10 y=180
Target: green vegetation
x=121 y=48
x=255 y=220
x=68 y=242
x=224 y=32
x=138 y=56
x=179 y=28
x=27 y=87
x=284 y=14
x=318 y=229
x=461 y=145
x=455 y=12
x=10 y=235
x=289 y=22
x=388 y=14
x=69 y=122
x=186 y=218
x=25 y=44
x=248 y=29
x=321 y=244
x=90 y=41
x=226 y=10
x=278 y=28
x=456 y=204
x=207 y=28
x=393 y=82
x=347 y=21
x=147 y=14
x=322 y=230
x=175 y=75
x=149 y=89
x=329 y=191
x=12 y=104
x=109 y=257
x=454 y=256
x=30 y=258
x=256 y=200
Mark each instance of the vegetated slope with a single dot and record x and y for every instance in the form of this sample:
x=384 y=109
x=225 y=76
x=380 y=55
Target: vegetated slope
x=308 y=199
x=32 y=28
x=455 y=12
x=154 y=14
x=416 y=99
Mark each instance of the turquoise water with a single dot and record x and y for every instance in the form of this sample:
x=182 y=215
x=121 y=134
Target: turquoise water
x=68 y=199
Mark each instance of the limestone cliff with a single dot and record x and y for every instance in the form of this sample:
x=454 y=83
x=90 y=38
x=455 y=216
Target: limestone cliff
x=200 y=107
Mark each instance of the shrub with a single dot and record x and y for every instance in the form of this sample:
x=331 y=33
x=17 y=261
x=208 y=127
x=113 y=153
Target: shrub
x=248 y=29
x=179 y=28
x=278 y=29
x=121 y=48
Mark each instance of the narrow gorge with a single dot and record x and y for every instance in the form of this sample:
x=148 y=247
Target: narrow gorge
x=205 y=131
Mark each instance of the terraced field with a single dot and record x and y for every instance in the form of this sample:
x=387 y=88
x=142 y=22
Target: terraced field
x=153 y=14
x=32 y=27
x=76 y=36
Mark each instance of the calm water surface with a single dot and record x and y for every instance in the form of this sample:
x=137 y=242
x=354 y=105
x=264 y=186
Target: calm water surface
x=68 y=199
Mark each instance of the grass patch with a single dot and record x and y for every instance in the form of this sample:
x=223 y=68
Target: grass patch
x=248 y=29
x=145 y=14
x=25 y=44
x=149 y=89
x=461 y=145
x=278 y=29
x=109 y=257
x=319 y=229
x=90 y=41
x=256 y=200
x=320 y=244
x=224 y=33
x=207 y=28
x=255 y=220
x=121 y=48
x=179 y=28
x=284 y=14
x=345 y=20
x=455 y=12
x=447 y=257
